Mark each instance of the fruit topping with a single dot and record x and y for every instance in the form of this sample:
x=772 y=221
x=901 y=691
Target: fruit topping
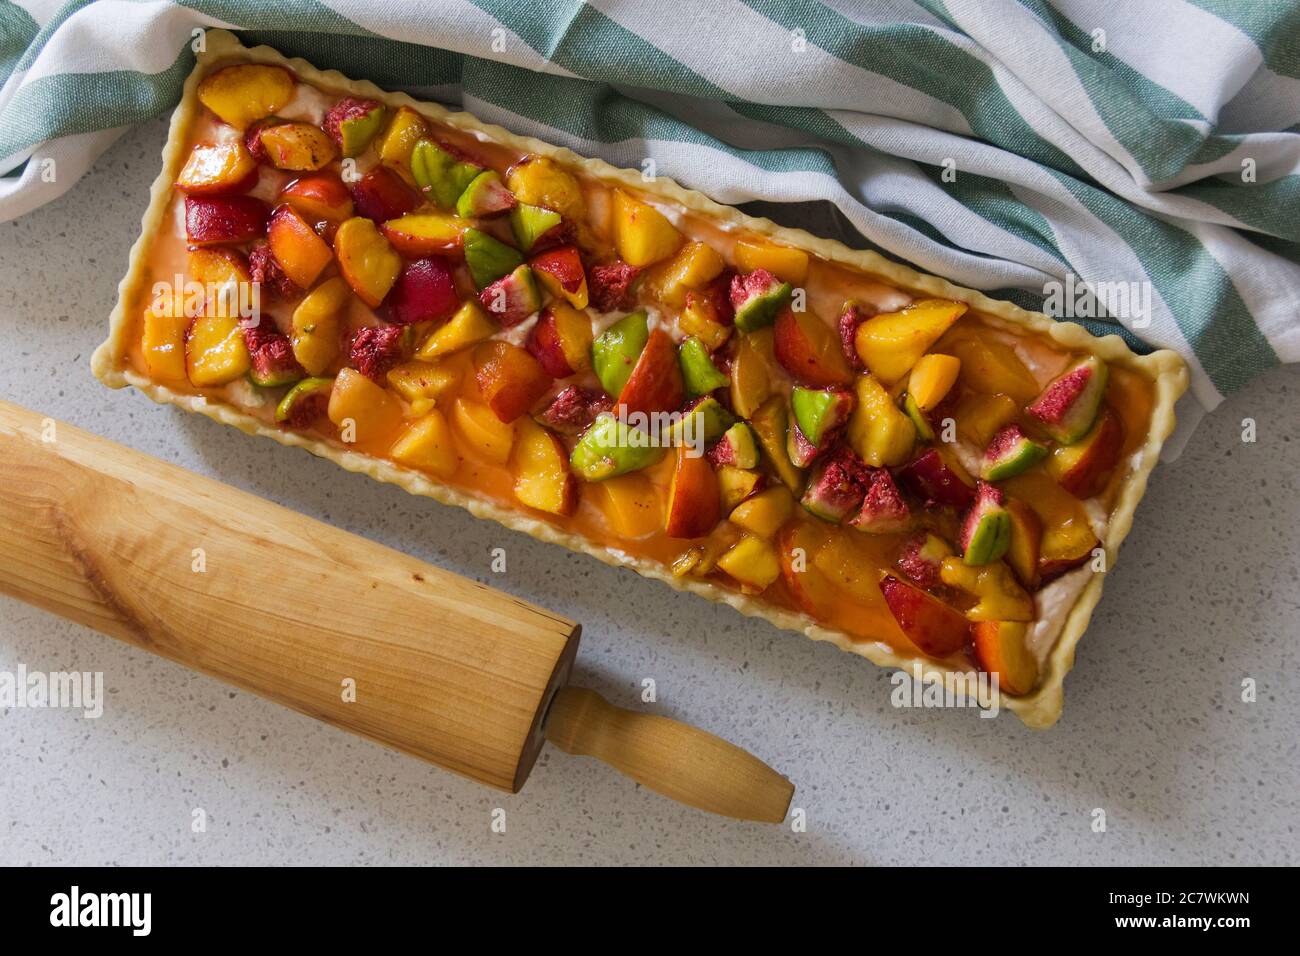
x=836 y=487
x=362 y=410
x=693 y=266
x=753 y=562
x=398 y=141
x=699 y=374
x=537 y=228
x=366 y=260
x=703 y=422
x=807 y=348
x=1026 y=542
x=756 y=298
x=441 y=172
x=485 y=435
x=699 y=318
x=642 y=234
x=694 y=502
x=771 y=423
x=375 y=349
x=879 y=431
x=469 y=326
x=425 y=234
x=561 y=340
x=306 y=402
x=215 y=352
x=271 y=359
x=936 y=479
x=655 y=384
x=382 y=195
x=315 y=325
x=787 y=264
x=764 y=513
x=615 y=352
x=934 y=627
x=883 y=509
x=426 y=444
x=301 y=253
x=611 y=286
x=299 y=147
x=1001 y=649
x=485 y=196
x=609 y=448
x=1083 y=468
x=573 y=409
x=488 y=259
x=986 y=529
x=541 y=469
x=1001 y=598
x=931 y=379
x=217 y=170
x=560 y=272
x=353 y=122
x=992 y=367
x=922 y=559
x=264 y=271
x=512 y=298
x=219 y=219
x=737 y=484
x=540 y=181
x=891 y=343
x=631 y=504
x=852 y=315
x=319 y=197
x=424 y=384
x=1009 y=453
x=979 y=417
x=424 y=292
x=241 y=94
x=510 y=380
x=820 y=414
x=1069 y=404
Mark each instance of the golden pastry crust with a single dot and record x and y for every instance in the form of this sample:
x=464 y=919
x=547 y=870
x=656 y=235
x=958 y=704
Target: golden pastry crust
x=1165 y=369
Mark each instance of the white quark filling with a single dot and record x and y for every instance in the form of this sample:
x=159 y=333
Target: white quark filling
x=1053 y=603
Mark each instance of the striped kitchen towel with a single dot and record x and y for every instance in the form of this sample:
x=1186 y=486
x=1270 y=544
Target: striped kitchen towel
x=1134 y=166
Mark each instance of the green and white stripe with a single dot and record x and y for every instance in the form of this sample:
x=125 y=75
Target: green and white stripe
x=1106 y=140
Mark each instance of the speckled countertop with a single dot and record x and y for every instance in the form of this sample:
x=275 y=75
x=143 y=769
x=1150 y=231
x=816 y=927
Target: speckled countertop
x=1155 y=733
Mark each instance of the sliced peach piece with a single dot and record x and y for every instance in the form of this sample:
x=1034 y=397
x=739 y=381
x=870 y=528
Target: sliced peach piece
x=993 y=367
x=891 y=343
x=979 y=417
x=214 y=220
x=362 y=410
x=483 y=433
x=539 y=181
x=423 y=384
x=367 y=261
x=809 y=350
x=162 y=343
x=764 y=513
x=315 y=327
x=396 y=143
x=242 y=94
x=225 y=278
x=655 y=384
x=510 y=380
x=642 y=234
x=319 y=197
x=1000 y=596
x=936 y=629
x=541 y=468
x=298 y=147
x=469 y=326
x=1026 y=540
x=426 y=444
x=694 y=266
x=1001 y=648
x=215 y=352
x=561 y=273
x=301 y=253
x=1083 y=468
x=753 y=562
x=1068 y=539
x=931 y=379
x=753 y=373
x=737 y=484
x=694 y=504
x=878 y=431
x=426 y=233
x=787 y=264
x=561 y=340
x=630 y=503
x=217 y=170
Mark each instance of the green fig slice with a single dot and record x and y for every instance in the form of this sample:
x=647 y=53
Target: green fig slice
x=699 y=374
x=440 y=174
x=770 y=423
x=924 y=430
x=485 y=196
x=615 y=351
x=986 y=529
x=489 y=259
x=757 y=297
x=305 y=402
x=705 y=419
x=1069 y=404
x=737 y=447
x=836 y=486
x=531 y=223
x=819 y=412
x=352 y=123
x=1010 y=453
x=609 y=447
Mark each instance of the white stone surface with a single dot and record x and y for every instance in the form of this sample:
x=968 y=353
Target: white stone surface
x=1154 y=731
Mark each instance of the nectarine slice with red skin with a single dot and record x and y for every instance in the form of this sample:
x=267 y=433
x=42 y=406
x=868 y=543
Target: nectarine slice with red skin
x=301 y=253
x=220 y=170
x=809 y=350
x=298 y=147
x=561 y=272
x=694 y=500
x=223 y=219
x=561 y=340
x=510 y=380
x=366 y=260
x=382 y=195
x=319 y=196
x=246 y=92
x=931 y=478
x=935 y=628
x=1083 y=468
x=423 y=292
x=655 y=384
x=426 y=234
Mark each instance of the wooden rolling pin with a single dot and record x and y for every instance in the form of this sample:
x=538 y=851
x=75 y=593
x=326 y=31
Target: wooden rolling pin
x=328 y=623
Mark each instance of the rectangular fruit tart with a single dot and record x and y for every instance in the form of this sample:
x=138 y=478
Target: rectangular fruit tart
x=814 y=435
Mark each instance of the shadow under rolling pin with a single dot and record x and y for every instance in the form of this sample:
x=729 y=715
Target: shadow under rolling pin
x=443 y=668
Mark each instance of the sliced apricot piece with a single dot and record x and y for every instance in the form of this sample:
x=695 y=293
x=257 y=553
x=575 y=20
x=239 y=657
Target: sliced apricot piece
x=426 y=444
x=246 y=92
